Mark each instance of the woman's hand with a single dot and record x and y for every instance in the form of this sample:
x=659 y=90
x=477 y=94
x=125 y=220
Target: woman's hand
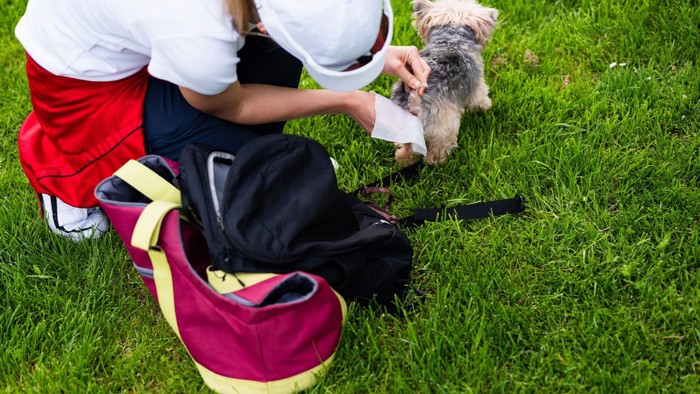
x=406 y=63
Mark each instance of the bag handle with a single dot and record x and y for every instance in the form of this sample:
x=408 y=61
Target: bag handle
x=147 y=228
x=145 y=237
x=148 y=182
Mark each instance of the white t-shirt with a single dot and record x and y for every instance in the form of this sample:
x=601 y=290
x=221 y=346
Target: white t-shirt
x=191 y=43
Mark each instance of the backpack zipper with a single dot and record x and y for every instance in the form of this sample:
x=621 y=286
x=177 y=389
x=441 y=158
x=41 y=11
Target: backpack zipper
x=211 y=178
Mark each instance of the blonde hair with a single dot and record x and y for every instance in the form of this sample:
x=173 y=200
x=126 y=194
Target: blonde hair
x=242 y=12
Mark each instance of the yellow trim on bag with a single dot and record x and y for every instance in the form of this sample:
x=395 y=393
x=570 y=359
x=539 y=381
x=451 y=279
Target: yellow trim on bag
x=224 y=282
x=164 y=287
x=304 y=380
x=343 y=306
x=148 y=182
x=147 y=228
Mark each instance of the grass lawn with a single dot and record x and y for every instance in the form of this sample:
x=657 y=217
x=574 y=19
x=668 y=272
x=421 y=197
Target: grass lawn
x=595 y=288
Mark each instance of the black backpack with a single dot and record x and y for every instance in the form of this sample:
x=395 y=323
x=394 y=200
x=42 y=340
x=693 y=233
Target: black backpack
x=275 y=206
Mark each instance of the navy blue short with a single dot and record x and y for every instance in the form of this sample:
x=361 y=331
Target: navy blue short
x=170 y=122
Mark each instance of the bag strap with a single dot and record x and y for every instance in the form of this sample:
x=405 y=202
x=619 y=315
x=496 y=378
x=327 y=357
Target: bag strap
x=470 y=211
x=147 y=228
x=404 y=173
x=166 y=197
x=148 y=182
x=145 y=237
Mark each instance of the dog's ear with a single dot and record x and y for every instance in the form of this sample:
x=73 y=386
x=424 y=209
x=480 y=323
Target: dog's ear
x=419 y=6
x=484 y=23
x=421 y=17
x=493 y=13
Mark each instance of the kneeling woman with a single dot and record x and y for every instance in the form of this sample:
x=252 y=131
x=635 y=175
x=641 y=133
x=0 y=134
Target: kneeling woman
x=112 y=80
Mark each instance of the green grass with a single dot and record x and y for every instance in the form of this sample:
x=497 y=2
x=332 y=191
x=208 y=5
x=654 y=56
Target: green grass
x=595 y=288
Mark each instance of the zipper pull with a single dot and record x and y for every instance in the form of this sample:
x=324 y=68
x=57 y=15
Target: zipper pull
x=220 y=223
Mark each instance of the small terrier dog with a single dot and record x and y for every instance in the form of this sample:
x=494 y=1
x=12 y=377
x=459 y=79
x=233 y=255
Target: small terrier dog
x=455 y=33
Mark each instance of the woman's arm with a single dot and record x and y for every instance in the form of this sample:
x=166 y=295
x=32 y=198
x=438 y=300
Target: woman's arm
x=258 y=104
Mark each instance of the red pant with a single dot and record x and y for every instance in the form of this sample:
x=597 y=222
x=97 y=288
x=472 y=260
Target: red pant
x=80 y=132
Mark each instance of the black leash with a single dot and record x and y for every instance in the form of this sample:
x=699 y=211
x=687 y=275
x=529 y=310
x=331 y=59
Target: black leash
x=479 y=210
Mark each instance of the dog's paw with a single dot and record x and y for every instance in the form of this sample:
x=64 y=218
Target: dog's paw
x=485 y=104
x=405 y=155
x=481 y=105
x=437 y=155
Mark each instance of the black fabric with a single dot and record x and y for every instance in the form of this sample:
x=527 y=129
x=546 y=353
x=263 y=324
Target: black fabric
x=280 y=210
x=480 y=210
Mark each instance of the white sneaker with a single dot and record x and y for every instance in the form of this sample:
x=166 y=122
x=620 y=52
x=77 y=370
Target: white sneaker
x=75 y=223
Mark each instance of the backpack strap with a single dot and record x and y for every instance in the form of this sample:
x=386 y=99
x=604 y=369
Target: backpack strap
x=470 y=211
x=404 y=173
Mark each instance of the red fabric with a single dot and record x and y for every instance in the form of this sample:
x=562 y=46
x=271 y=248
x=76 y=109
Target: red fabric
x=79 y=132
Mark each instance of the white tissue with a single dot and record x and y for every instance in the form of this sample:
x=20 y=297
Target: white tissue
x=394 y=124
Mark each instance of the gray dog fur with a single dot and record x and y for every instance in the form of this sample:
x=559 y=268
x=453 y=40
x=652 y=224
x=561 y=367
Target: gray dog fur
x=455 y=33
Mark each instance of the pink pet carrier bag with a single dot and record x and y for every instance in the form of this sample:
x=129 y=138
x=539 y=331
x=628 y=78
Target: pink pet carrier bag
x=246 y=333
